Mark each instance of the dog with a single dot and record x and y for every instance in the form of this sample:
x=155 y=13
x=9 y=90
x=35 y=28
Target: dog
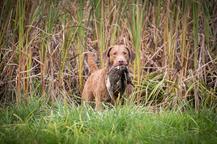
x=97 y=85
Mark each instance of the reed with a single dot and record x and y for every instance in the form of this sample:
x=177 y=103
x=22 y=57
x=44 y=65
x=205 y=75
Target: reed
x=41 y=46
x=136 y=25
x=20 y=11
x=80 y=40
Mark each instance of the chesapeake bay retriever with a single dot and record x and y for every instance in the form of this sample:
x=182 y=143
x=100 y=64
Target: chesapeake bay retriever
x=97 y=85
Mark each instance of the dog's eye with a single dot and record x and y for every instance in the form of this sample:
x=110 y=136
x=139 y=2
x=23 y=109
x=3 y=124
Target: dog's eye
x=115 y=53
x=125 y=53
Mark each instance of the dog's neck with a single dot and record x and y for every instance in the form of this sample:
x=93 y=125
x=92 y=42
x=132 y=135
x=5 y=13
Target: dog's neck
x=109 y=67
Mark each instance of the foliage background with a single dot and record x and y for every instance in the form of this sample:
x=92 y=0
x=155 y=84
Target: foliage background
x=41 y=46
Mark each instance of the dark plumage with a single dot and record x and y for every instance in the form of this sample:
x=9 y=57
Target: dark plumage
x=118 y=78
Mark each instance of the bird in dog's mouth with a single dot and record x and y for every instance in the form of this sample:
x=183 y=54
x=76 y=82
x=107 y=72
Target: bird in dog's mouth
x=117 y=80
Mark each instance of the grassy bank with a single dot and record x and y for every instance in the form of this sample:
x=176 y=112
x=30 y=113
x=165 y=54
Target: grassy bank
x=38 y=122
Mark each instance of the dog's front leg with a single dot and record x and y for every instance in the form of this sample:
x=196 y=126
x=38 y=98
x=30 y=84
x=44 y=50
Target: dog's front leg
x=98 y=103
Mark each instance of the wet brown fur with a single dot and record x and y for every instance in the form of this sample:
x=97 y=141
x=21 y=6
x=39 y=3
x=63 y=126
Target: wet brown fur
x=95 y=86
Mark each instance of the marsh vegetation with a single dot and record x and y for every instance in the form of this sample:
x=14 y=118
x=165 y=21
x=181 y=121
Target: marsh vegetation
x=175 y=70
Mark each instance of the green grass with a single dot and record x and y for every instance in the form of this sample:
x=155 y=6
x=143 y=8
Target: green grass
x=38 y=122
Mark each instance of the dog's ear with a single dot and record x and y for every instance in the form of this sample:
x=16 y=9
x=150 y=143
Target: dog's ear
x=106 y=54
x=131 y=54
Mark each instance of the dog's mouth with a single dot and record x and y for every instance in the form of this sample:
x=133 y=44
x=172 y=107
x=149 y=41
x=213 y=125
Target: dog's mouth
x=118 y=68
x=120 y=64
x=122 y=67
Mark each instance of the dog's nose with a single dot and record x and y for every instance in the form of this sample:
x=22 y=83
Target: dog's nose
x=121 y=62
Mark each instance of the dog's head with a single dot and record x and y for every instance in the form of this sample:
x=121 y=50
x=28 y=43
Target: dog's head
x=119 y=55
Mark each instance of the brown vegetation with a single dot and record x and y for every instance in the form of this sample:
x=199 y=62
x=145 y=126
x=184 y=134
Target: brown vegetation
x=42 y=44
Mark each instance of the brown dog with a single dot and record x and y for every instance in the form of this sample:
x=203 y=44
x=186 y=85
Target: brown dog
x=95 y=86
